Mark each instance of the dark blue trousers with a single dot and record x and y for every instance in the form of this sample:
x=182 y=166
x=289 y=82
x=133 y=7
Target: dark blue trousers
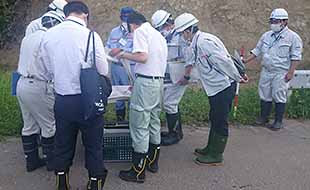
x=69 y=121
x=220 y=106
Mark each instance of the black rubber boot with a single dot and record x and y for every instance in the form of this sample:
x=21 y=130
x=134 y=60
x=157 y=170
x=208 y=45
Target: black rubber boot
x=47 y=149
x=265 y=110
x=152 y=158
x=179 y=127
x=137 y=171
x=175 y=133
x=96 y=183
x=62 y=180
x=278 y=122
x=171 y=128
x=30 y=145
x=120 y=115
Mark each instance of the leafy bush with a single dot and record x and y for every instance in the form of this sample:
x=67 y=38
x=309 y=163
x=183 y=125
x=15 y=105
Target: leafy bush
x=6 y=11
x=299 y=105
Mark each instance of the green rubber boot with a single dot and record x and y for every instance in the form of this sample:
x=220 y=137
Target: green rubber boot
x=215 y=152
x=205 y=150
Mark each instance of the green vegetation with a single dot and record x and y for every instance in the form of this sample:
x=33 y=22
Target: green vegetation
x=194 y=107
x=10 y=115
x=5 y=17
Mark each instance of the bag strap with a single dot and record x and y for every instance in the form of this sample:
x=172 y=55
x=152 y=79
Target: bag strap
x=87 y=46
x=94 y=52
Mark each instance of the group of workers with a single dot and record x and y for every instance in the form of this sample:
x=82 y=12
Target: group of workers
x=49 y=92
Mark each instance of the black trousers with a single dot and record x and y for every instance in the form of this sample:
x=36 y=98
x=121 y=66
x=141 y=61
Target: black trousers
x=69 y=120
x=220 y=106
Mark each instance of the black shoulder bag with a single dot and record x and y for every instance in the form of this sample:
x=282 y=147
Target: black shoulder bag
x=95 y=88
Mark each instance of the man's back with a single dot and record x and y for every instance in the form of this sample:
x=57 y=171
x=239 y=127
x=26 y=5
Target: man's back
x=156 y=48
x=29 y=51
x=64 y=48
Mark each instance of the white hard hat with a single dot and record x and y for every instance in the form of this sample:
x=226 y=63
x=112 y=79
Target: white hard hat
x=159 y=18
x=58 y=5
x=279 y=13
x=184 y=21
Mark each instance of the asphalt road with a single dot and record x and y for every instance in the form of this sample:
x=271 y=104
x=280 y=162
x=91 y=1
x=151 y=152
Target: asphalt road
x=255 y=159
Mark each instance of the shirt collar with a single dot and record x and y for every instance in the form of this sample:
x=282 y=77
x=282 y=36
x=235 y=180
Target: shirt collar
x=124 y=31
x=43 y=29
x=76 y=19
x=195 y=38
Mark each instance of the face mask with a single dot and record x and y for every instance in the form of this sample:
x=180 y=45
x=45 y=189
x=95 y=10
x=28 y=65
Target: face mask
x=165 y=33
x=276 y=27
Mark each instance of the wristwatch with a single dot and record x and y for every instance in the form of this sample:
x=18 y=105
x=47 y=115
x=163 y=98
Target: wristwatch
x=187 y=77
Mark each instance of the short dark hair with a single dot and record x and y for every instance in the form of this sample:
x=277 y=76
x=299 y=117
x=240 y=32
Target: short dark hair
x=76 y=7
x=136 y=18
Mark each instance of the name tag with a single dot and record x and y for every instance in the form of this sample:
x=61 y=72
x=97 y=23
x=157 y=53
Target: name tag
x=122 y=42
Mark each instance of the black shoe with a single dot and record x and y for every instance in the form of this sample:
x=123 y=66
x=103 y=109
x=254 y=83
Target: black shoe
x=276 y=126
x=279 y=112
x=137 y=171
x=152 y=158
x=62 y=181
x=265 y=109
x=30 y=145
x=164 y=134
x=170 y=139
x=175 y=132
x=95 y=183
x=261 y=121
x=47 y=149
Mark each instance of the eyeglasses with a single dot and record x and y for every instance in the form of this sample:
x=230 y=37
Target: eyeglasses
x=274 y=21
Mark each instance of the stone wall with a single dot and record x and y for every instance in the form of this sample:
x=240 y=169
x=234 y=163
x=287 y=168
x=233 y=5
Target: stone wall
x=237 y=22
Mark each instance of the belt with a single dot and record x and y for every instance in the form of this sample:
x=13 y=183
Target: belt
x=35 y=78
x=148 y=77
x=118 y=63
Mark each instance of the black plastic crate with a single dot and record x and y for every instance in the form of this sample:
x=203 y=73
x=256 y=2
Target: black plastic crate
x=117 y=143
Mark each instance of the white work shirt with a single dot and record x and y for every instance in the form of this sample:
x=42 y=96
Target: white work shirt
x=148 y=40
x=63 y=51
x=33 y=26
x=209 y=52
x=29 y=64
x=278 y=50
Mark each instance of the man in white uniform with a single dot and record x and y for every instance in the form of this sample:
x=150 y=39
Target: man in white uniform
x=56 y=7
x=218 y=75
x=173 y=93
x=36 y=97
x=281 y=51
x=150 y=54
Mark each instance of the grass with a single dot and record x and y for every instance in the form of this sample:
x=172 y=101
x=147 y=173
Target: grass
x=194 y=107
x=10 y=115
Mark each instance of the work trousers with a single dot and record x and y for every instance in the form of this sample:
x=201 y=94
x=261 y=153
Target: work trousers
x=172 y=96
x=145 y=108
x=220 y=106
x=36 y=101
x=69 y=120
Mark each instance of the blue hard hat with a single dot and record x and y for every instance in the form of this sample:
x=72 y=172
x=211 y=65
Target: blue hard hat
x=125 y=11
